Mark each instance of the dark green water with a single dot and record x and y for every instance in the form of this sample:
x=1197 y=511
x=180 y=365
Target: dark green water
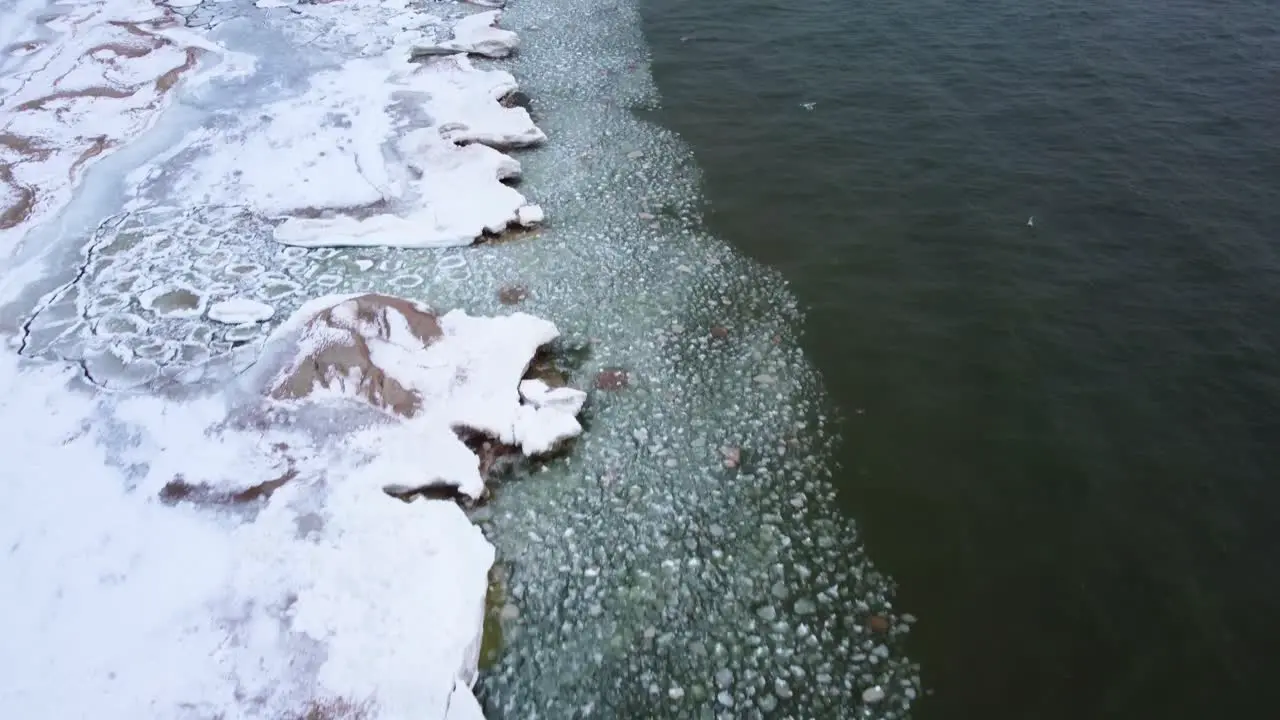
x=1063 y=440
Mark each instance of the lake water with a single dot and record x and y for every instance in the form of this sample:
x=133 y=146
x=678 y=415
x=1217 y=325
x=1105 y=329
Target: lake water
x=1038 y=248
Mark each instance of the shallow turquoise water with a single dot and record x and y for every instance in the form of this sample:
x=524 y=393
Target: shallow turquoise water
x=1059 y=437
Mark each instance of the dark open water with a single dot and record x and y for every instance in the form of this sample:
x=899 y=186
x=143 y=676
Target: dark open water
x=1063 y=440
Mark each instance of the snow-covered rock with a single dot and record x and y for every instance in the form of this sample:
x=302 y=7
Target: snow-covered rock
x=442 y=373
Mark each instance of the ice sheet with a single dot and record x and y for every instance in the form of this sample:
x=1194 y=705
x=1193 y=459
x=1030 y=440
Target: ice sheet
x=92 y=77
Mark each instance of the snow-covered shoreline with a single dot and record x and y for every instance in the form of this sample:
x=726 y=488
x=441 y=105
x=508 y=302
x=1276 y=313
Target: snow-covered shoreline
x=219 y=539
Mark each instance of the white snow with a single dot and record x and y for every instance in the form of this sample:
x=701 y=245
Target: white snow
x=120 y=606
x=549 y=416
x=478 y=35
x=240 y=310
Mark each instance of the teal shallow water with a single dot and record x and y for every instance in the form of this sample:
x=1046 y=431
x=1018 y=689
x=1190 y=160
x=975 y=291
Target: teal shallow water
x=1059 y=438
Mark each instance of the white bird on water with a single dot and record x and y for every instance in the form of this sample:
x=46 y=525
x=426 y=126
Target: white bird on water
x=1031 y=221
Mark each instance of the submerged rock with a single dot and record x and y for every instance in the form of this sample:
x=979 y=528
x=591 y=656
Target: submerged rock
x=341 y=356
x=612 y=379
x=513 y=294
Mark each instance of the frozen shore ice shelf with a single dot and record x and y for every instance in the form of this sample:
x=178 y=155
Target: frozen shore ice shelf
x=305 y=155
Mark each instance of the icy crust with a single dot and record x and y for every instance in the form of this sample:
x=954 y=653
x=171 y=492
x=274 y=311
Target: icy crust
x=87 y=78
x=157 y=583
x=380 y=151
x=446 y=374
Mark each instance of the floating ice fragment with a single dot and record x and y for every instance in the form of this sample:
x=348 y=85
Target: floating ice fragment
x=237 y=311
x=873 y=694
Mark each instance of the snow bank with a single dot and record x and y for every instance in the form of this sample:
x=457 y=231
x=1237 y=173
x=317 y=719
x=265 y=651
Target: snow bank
x=241 y=559
x=98 y=83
